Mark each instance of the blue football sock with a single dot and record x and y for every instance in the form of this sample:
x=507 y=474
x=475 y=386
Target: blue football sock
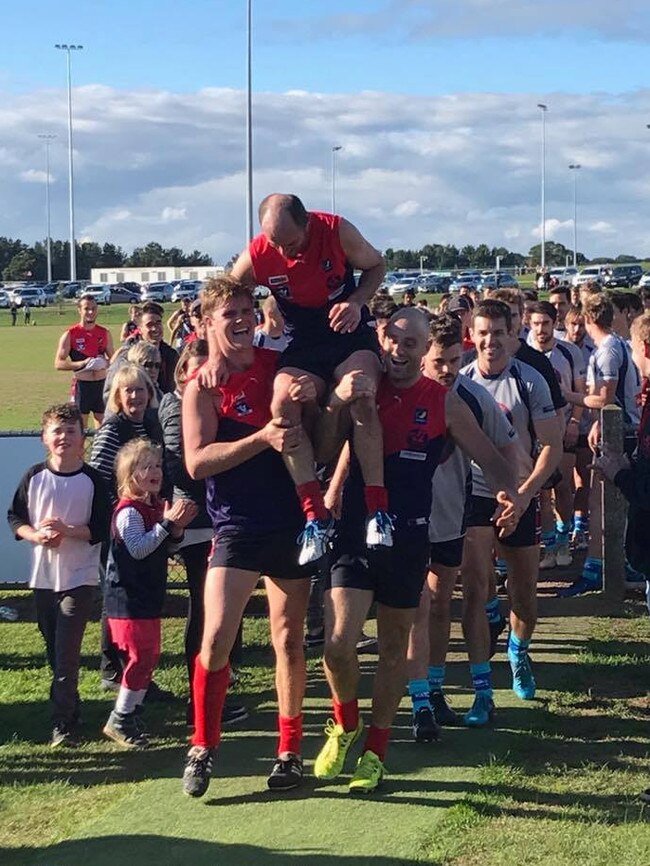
x=549 y=540
x=581 y=522
x=592 y=570
x=482 y=677
x=436 y=678
x=562 y=532
x=493 y=610
x=517 y=646
x=419 y=692
x=501 y=567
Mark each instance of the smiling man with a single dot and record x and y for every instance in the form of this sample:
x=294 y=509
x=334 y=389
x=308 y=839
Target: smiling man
x=307 y=260
x=85 y=349
x=417 y=417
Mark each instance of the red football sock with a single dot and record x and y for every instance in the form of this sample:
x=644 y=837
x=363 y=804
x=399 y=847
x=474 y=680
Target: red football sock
x=311 y=501
x=290 y=728
x=377 y=741
x=210 y=689
x=376 y=498
x=346 y=715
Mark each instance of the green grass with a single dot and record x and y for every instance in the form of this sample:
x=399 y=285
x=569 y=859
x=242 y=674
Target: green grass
x=554 y=783
x=29 y=382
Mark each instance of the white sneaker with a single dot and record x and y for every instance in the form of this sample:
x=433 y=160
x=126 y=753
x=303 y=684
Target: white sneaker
x=379 y=530
x=548 y=560
x=563 y=556
x=314 y=540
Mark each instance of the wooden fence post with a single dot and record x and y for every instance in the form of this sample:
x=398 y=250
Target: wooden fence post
x=614 y=515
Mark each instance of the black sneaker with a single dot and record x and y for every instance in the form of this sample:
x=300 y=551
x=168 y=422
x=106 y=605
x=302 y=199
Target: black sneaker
x=445 y=716
x=314 y=639
x=367 y=644
x=425 y=728
x=125 y=730
x=63 y=735
x=286 y=773
x=233 y=713
x=496 y=628
x=198 y=768
x=156 y=695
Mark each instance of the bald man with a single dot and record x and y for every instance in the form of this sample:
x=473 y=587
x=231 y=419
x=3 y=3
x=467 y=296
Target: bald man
x=417 y=415
x=307 y=260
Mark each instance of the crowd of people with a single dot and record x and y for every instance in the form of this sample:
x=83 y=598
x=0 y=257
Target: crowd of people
x=334 y=440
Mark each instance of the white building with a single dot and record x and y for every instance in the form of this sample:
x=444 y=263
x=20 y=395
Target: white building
x=155 y=274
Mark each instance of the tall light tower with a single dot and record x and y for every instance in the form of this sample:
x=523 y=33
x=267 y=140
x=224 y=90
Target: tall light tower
x=73 y=252
x=575 y=166
x=543 y=108
x=335 y=150
x=48 y=138
x=249 y=120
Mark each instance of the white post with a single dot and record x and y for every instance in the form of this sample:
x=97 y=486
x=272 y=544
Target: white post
x=574 y=168
x=48 y=138
x=544 y=109
x=249 y=120
x=73 y=251
x=335 y=150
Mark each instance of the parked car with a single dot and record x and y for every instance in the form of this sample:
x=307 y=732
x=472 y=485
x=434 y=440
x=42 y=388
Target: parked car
x=160 y=292
x=70 y=289
x=645 y=279
x=5 y=300
x=30 y=294
x=101 y=292
x=122 y=295
x=432 y=283
x=500 y=280
x=403 y=285
x=624 y=276
x=591 y=274
x=470 y=281
x=186 y=289
x=563 y=275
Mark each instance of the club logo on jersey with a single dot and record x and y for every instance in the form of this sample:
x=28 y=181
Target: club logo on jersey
x=326 y=265
x=80 y=344
x=241 y=406
x=421 y=416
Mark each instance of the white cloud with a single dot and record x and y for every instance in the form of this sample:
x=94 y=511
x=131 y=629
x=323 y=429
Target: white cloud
x=32 y=175
x=461 y=168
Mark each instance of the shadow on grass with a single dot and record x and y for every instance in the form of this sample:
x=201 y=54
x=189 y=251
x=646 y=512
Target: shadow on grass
x=108 y=850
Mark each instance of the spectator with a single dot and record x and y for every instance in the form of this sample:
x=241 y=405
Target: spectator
x=131 y=327
x=196 y=320
x=381 y=308
x=151 y=331
x=13 y=309
x=644 y=294
x=61 y=506
x=27 y=312
x=142 y=354
x=179 y=324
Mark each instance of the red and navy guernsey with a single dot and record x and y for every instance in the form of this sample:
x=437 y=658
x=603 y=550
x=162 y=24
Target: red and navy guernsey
x=257 y=496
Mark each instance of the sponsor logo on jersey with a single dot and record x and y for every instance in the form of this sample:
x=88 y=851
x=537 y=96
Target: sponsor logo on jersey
x=421 y=416
x=412 y=455
x=278 y=280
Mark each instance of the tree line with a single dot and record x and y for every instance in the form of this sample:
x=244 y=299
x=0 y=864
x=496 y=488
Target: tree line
x=20 y=261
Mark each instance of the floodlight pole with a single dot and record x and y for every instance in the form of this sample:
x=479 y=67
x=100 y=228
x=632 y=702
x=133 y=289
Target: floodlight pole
x=544 y=109
x=48 y=138
x=73 y=252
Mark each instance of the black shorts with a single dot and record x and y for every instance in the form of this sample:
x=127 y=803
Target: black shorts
x=322 y=357
x=582 y=442
x=394 y=574
x=89 y=396
x=447 y=553
x=527 y=533
x=274 y=554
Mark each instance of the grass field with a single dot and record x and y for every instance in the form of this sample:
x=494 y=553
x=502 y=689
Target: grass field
x=554 y=783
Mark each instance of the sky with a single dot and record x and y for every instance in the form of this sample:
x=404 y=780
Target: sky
x=433 y=102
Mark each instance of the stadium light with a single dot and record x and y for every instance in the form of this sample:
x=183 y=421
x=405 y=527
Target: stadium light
x=73 y=252
x=48 y=138
x=574 y=168
x=335 y=150
x=543 y=108
x=249 y=120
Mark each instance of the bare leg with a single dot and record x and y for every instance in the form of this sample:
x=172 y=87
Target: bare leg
x=227 y=591
x=366 y=431
x=476 y=570
x=345 y=614
x=393 y=628
x=564 y=492
x=523 y=565
x=288 y=601
x=300 y=462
